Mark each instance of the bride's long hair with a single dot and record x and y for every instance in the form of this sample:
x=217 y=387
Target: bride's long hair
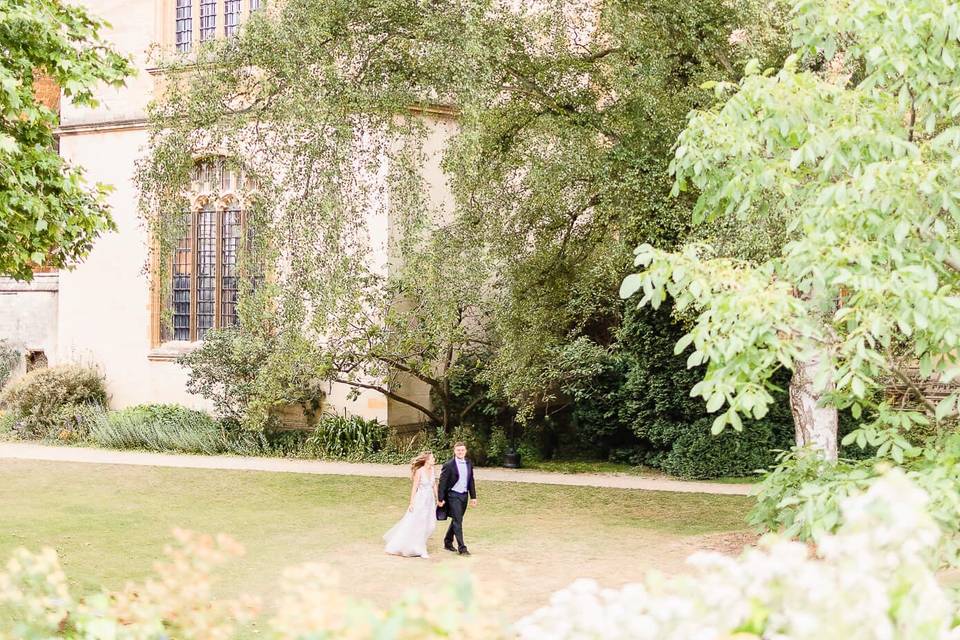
x=419 y=461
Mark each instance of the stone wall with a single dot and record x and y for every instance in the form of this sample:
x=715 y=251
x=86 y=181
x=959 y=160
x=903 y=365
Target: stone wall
x=28 y=315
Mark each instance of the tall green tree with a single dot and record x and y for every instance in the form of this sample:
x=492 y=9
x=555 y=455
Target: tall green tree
x=564 y=116
x=852 y=150
x=48 y=214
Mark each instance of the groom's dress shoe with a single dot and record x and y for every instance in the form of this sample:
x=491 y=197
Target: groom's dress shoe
x=449 y=547
x=464 y=552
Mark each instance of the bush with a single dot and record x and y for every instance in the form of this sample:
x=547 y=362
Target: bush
x=639 y=409
x=874 y=578
x=696 y=453
x=802 y=497
x=251 y=376
x=160 y=427
x=9 y=359
x=347 y=437
x=39 y=399
x=441 y=444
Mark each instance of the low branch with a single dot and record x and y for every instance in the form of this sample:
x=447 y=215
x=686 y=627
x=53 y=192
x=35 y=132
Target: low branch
x=393 y=396
x=473 y=403
x=433 y=382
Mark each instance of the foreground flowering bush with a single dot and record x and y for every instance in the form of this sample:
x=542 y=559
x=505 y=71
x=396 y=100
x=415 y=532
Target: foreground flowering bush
x=178 y=603
x=874 y=579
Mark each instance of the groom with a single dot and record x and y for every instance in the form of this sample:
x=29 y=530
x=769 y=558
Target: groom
x=456 y=481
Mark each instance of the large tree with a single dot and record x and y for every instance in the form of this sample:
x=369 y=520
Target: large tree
x=564 y=115
x=48 y=215
x=851 y=150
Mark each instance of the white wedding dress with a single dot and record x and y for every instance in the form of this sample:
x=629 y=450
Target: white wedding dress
x=409 y=536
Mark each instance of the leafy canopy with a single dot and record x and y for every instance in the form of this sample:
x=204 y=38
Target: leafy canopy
x=853 y=147
x=48 y=214
x=554 y=169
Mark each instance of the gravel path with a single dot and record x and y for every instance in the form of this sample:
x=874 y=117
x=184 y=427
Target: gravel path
x=26 y=451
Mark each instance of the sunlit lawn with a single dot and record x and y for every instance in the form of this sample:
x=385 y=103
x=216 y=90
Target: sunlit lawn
x=109 y=523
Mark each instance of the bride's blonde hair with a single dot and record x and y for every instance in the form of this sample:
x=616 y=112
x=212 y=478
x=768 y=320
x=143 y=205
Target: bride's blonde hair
x=419 y=461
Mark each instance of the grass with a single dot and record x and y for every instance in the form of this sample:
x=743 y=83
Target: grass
x=110 y=522
x=587 y=466
x=591 y=466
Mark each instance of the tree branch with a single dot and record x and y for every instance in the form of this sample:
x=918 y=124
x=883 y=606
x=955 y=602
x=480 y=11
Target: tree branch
x=410 y=403
x=914 y=388
x=433 y=382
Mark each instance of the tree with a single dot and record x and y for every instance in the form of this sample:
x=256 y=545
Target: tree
x=47 y=213
x=851 y=149
x=554 y=169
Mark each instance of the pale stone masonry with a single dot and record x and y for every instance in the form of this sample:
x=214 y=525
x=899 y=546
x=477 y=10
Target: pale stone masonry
x=104 y=312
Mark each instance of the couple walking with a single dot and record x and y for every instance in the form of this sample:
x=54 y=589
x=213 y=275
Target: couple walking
x=429 y=503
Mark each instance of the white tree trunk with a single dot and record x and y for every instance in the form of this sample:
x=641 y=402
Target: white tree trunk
x=815 y=425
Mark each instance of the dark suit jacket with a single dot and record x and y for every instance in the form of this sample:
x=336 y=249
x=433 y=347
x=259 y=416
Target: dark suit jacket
x=449 y=475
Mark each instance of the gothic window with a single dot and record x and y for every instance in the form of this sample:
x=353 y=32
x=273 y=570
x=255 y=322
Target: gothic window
x=205 y=268
x=184 y=25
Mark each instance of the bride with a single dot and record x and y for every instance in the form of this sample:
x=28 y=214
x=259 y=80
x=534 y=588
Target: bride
x=409 y=536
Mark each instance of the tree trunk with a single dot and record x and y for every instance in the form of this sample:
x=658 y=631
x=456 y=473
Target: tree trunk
x=815 y=426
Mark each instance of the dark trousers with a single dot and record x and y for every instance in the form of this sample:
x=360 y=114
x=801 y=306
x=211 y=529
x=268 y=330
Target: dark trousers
x=456 y=507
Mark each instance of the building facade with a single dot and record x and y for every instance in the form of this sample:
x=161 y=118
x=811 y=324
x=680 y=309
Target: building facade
x=105 y=312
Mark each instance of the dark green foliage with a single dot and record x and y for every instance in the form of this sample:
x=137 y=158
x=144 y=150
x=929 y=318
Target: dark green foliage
x=38 y=398
x=640 y=409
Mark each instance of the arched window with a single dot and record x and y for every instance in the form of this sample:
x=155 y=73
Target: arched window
x=205 y=270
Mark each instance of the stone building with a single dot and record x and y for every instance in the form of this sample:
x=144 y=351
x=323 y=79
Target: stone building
x=105 y=312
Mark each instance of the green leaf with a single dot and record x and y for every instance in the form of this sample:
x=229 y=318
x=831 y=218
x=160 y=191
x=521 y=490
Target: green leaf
x=682 y=344
x=718 y=424
x=945 y=407
x=715 y=401
x=631 y=284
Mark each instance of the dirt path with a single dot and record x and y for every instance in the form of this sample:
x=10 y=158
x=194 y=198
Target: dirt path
x=26 y=451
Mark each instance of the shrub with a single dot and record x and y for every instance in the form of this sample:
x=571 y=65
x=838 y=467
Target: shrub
x=347 y=437
x=639 y=409
x=441 y=444
x=251 y=375
x=696 y=453
x=874 y=578
x=38 y=399
x=179 y=602
x=803 y=495
x=9 y=359
x=7 y=424
x=160 y=427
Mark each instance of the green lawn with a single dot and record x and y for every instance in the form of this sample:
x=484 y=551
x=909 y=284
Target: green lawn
x=109 y=523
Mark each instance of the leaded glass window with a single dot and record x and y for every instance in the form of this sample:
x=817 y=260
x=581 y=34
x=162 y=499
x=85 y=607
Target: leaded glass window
x=206 y=270
x=231 y=16
x=206 y=274
x=208 y=20
x=184 y=25
x=182 y=284
x=229 y=250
